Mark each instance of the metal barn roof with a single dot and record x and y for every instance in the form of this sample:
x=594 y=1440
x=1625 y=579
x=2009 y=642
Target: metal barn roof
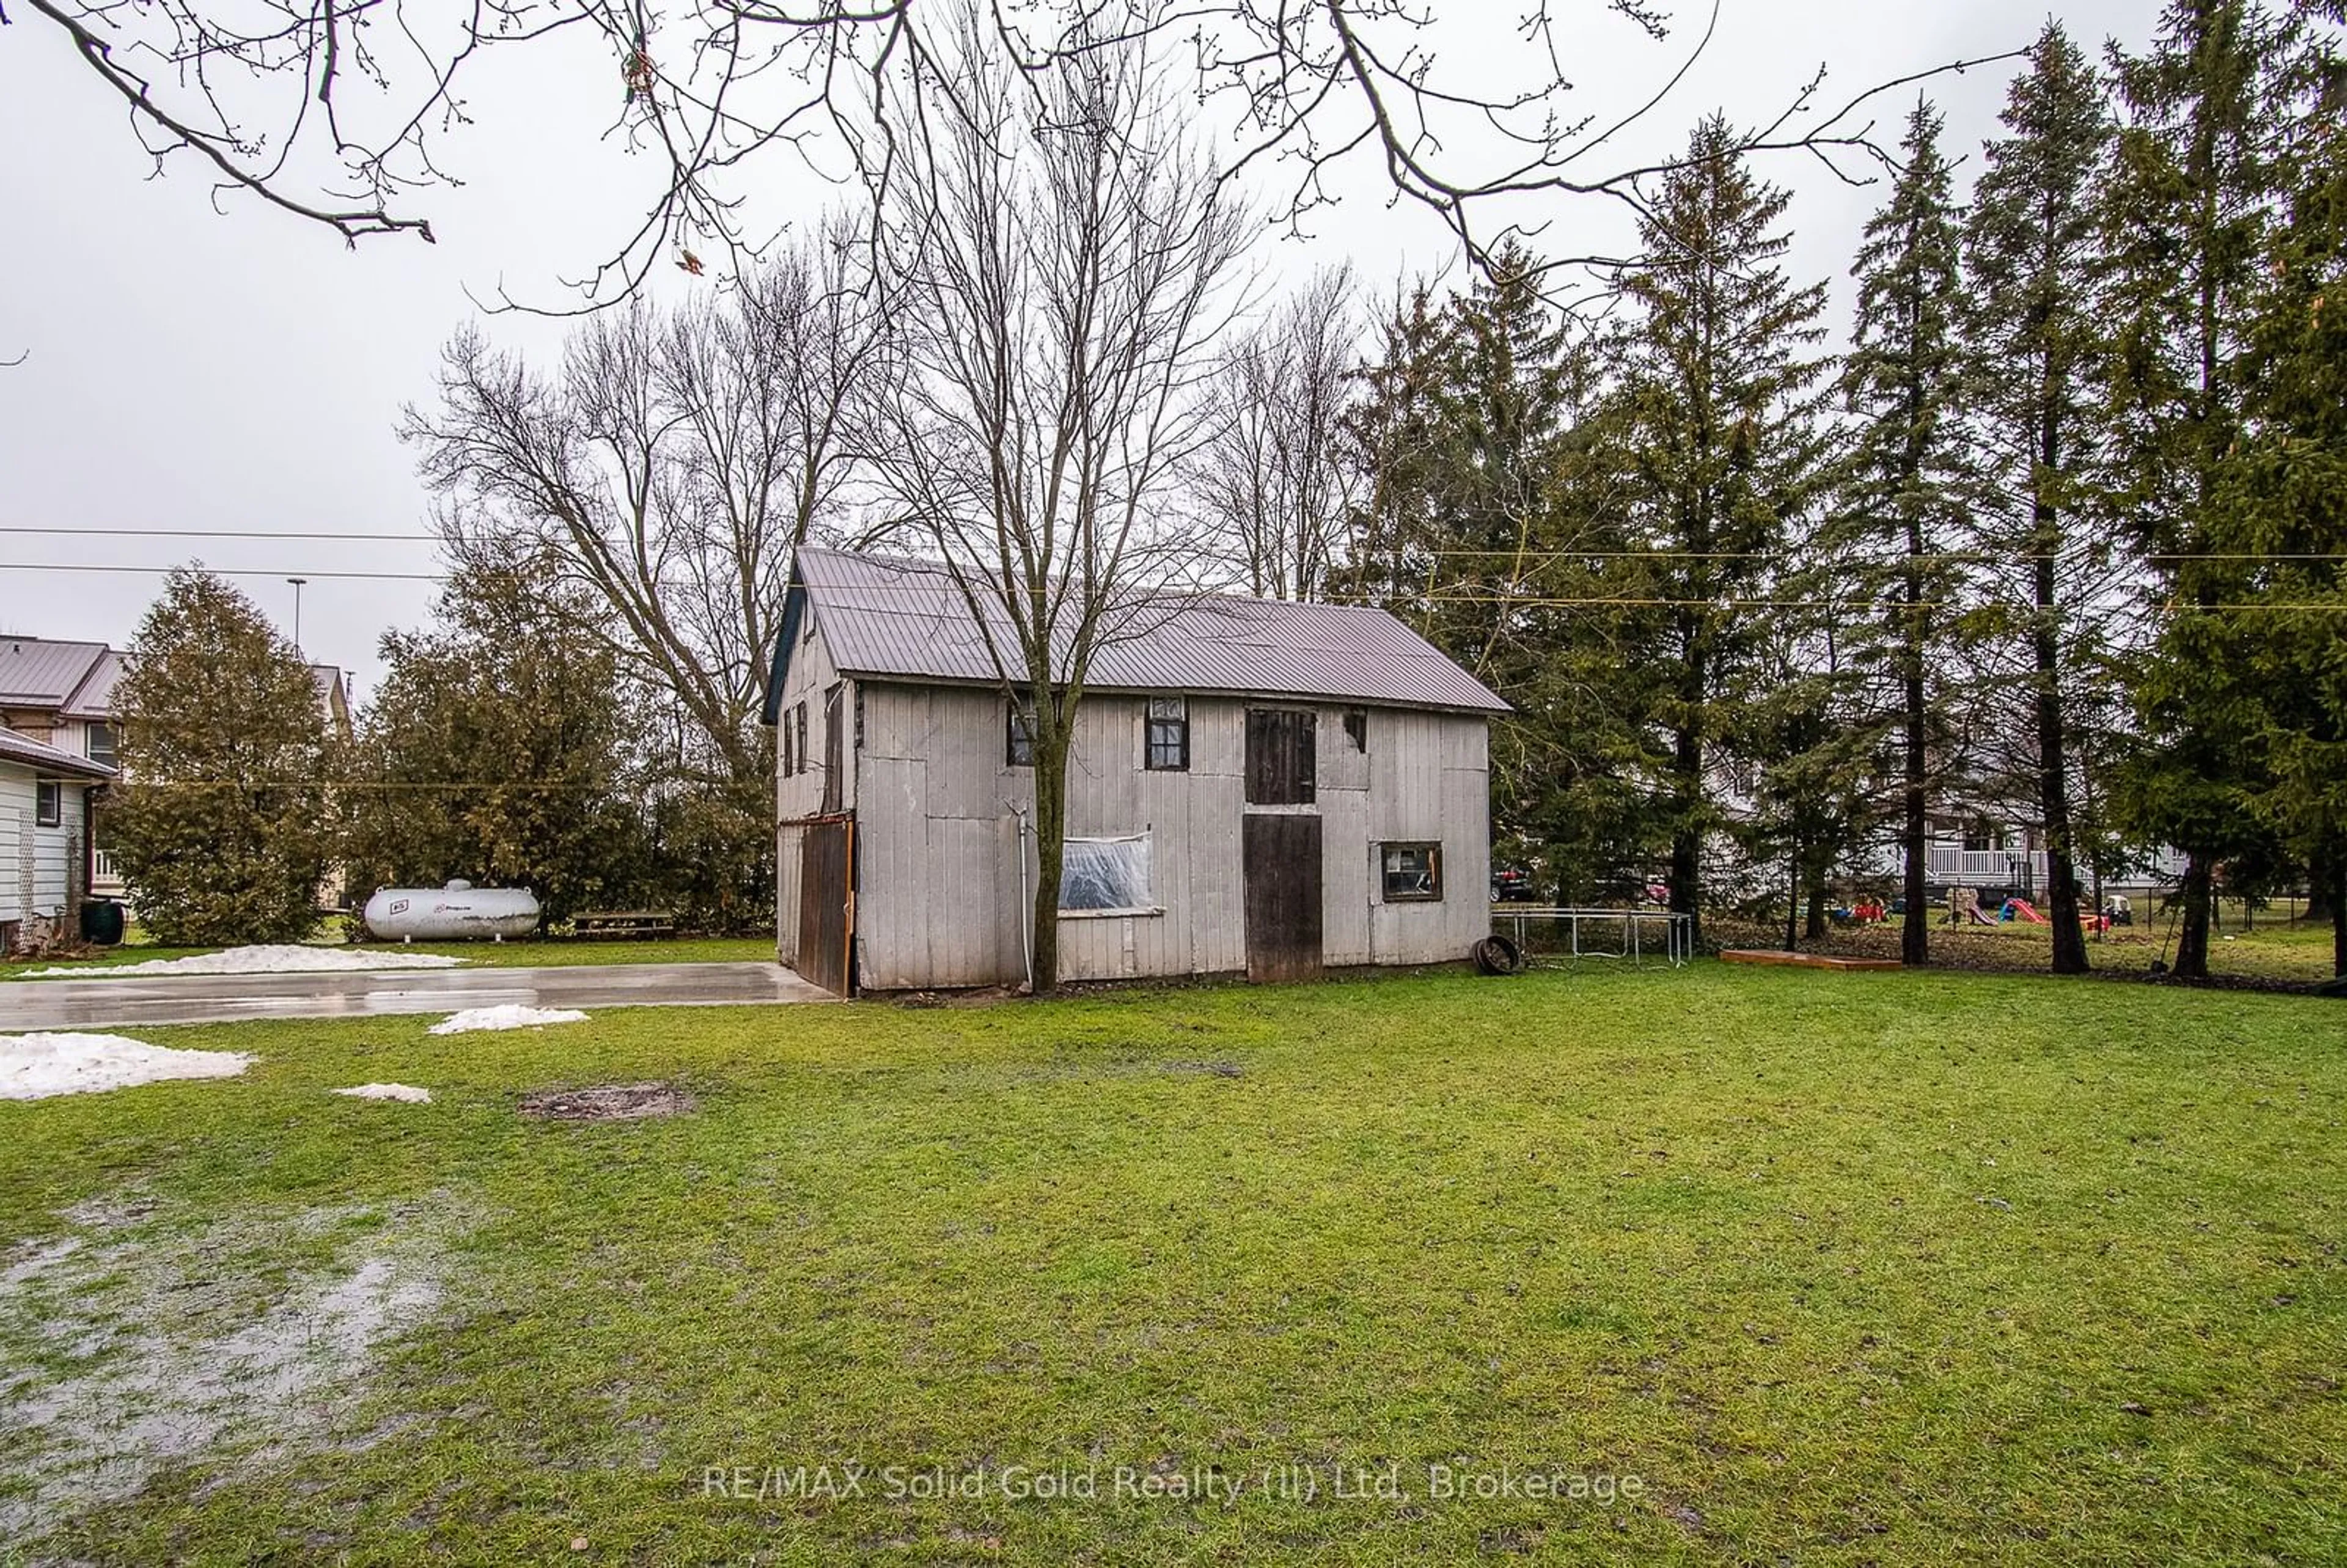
x=908 y=619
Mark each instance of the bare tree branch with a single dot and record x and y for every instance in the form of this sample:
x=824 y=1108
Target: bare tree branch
x=335 y=110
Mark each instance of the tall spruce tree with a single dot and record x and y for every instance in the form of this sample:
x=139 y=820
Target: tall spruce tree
x=1905 y=486
x=222 y=824
x=1485 y=527
x=2283 y=501
x=1716 y=413
x=2185 y=223
x=2033 y=255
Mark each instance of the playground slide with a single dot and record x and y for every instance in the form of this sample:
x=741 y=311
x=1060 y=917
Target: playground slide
x=2028 y=911
x=1979 y=918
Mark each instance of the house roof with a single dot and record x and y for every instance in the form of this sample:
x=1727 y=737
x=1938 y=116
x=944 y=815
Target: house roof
x=76 y=680
x=26 y=751
x=94 y=698
x=908 y=619
x=36 y=673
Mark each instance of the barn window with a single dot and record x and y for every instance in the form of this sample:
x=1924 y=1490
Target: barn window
x=798 y=722
x=1356 y=728
x=1279 y=766
x=1413 y=872
x=1169 y=736
x=1103 y=874
x=48 y=805
x=1019 y=733
x=785 y=727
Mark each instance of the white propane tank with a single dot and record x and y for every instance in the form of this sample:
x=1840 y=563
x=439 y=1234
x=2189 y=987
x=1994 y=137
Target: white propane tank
x=454 y=913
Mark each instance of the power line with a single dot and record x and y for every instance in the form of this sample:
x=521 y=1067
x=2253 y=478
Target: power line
x=1406 y=599
x=209 y=534
x=223 y=571
x=1538 y=556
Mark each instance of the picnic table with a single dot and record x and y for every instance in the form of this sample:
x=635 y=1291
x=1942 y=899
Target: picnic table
x=609 y=924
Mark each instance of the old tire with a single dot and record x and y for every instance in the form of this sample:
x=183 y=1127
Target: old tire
x=1497 y=955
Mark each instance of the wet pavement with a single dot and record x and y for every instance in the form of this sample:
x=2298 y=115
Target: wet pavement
x=136 y=999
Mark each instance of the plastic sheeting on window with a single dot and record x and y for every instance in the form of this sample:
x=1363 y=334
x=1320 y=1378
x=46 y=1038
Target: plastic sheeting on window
x=1104 y=872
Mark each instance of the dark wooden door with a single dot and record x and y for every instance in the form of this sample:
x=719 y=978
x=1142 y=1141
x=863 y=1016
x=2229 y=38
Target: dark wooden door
x=1281 y=863
x=827 y=904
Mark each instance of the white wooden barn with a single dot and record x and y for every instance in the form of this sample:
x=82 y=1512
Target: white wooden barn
x=1256 y=786
x=44 y=849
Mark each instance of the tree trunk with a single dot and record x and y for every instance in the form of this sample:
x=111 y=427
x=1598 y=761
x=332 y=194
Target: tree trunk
x=1687 y=839
x=1050 y=843
x=2192 y=944
x=2339 y=917
x=1816 y=923
x=1793 y=898
x=1914 y=935
x=2052 y=762
x=2327 y=880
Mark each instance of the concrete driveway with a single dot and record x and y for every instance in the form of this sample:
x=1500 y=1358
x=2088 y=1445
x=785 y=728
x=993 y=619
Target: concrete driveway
x=27 y=1005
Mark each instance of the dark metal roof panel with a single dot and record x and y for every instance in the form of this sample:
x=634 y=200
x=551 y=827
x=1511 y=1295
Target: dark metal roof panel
x=883 y=616
x=37 y=673
x=94 y=698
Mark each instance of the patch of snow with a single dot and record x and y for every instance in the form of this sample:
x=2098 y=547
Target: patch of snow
x=35 y=1066
x=405 y=1092
x=278 y=959
x=509 y=1016
x=131 y=1353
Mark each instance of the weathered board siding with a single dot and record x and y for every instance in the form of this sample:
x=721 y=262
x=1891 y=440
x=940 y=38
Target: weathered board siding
x=798 y=795
x=37 y=870
x=940 y=898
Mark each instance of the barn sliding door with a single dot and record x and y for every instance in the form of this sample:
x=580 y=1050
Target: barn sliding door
x=1280 y=858
x=827 y=904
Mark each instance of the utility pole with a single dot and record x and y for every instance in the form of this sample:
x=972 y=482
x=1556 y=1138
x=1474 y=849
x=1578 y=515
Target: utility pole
x=297 y=582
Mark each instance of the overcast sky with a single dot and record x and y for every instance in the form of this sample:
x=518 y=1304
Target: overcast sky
x=193 y=370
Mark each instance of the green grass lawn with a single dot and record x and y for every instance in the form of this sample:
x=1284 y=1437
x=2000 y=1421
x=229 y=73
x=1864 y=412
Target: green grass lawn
x=1837 y=1268
x=2271 y=946
x=682 y=950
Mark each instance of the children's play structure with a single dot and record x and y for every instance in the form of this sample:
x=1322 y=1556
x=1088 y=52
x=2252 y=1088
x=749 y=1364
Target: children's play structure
x=1964 y=910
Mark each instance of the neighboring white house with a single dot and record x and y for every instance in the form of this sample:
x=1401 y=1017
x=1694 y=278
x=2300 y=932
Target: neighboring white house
x=1256 y=786
x=44 y=851
x=61 y=694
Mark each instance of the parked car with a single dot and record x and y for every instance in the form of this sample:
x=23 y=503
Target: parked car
x=1512 y=885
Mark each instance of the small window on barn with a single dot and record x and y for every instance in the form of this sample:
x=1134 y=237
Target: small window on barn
x=48 y=805
x=1412 y=872
x=787 y=754
x=798 y=722
x=1104 y=873
x=1356 y=728
x=1169 y=736
x=1019 y=733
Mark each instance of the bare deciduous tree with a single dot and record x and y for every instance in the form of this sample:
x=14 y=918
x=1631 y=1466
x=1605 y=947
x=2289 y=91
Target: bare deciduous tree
x=670 y=467
x=338 y=111
x=1066 y=279
x=1274 y=479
